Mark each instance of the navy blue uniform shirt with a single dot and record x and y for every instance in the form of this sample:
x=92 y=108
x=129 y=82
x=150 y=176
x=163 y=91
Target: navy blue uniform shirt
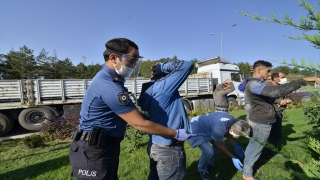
x=104 y=99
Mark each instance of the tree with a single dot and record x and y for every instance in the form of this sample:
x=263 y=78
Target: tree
x=92 y=70
x=81 y=71
x=2 y=66
x=245 y=69
x=21 y=64
x=53 y=60
x=43 y=62
x=65 y=69
x=195 y=69
x=284 y=69
x=309 y=23
x=295 y=70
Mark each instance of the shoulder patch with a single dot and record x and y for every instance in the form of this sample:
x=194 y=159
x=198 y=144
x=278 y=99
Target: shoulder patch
x=116 y=78
x=123 y=98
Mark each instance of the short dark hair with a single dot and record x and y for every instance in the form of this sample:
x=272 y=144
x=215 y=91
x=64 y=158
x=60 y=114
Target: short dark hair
x=274 y=75
x=120 y=45
x=261 y=63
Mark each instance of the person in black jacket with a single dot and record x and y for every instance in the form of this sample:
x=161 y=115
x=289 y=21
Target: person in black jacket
x=279 y=105
x=261 y=97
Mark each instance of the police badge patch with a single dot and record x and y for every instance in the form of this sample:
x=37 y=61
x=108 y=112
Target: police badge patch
x=123 y=98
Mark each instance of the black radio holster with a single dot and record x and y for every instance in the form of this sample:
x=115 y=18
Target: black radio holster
x=93 y=136
x=103 y=138
x=76 y=135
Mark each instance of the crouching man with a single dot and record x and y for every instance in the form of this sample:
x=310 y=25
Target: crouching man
x=211 y=129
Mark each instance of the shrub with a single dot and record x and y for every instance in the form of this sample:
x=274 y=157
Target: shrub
x=312 y=113
x=34 y=141
x=62 y=129
x=194 y=113
x=296 y=99
x=236 y=108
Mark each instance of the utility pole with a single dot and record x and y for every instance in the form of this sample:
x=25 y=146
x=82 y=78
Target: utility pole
x=221 y=37
x=84 y=60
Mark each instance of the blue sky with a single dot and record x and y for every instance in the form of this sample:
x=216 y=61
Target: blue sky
x=77 y=28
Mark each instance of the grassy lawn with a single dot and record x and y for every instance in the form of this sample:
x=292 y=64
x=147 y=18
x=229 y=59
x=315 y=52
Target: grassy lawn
x=51 y=162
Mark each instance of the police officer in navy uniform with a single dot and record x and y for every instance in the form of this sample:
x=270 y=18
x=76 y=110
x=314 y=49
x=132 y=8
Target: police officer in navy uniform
x=105 y=111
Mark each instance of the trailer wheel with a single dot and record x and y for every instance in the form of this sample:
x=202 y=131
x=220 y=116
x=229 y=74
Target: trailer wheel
x=6 y=123
x=186 y=105
x=34 y=118
x=54 y=112
x=232 y=101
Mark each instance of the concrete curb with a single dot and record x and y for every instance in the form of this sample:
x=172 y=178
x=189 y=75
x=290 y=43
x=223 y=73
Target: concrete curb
x=16 y=136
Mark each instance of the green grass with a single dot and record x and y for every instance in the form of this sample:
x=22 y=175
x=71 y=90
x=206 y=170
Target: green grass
x=52 y=162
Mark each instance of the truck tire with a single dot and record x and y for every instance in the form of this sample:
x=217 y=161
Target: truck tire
x=34 y=118
x=6 y=123
x=186 y=105
x=54 y=112
x=232 y=101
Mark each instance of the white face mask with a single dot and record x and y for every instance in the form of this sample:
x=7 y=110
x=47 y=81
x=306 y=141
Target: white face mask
x=124 y=71
x=233 y=134
x=283 y=81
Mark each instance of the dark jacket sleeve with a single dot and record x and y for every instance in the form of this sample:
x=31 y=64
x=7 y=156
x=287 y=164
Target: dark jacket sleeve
x=279 y=91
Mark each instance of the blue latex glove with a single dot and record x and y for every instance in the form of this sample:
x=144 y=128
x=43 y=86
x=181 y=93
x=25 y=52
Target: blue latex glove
x=183 y=134
x=239 y=151
x=237 y=163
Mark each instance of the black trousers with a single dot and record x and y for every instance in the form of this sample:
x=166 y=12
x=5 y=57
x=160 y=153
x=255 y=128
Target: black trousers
x=89 y=162
x=276 y=130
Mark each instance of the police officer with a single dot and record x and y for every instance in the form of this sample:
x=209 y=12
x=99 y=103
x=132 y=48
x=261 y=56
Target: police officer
x=105 y=111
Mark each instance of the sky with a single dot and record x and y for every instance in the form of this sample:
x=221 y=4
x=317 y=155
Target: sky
x=79 y=29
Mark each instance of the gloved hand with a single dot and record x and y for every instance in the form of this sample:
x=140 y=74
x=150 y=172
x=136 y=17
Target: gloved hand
x=237 y=163
x=302 y=82
x=183 y=134
x=239 y=151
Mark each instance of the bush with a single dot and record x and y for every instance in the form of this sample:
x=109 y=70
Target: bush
x=60 y=129
x=312 y=113
x=34 y=141
x=296 y=99
x=194 y=113
x=236 y=108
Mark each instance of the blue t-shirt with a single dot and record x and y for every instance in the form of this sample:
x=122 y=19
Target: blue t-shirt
x=104 y=99
x=162 y=100
x=210 y=127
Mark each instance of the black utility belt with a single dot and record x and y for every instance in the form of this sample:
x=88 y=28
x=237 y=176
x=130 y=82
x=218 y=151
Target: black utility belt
x=175 y=143
x=96 y=137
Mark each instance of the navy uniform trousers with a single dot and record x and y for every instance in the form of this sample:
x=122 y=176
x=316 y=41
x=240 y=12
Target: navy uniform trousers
x=90 y=162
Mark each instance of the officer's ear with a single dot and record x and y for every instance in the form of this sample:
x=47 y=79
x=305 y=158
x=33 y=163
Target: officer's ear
x=113 y=57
